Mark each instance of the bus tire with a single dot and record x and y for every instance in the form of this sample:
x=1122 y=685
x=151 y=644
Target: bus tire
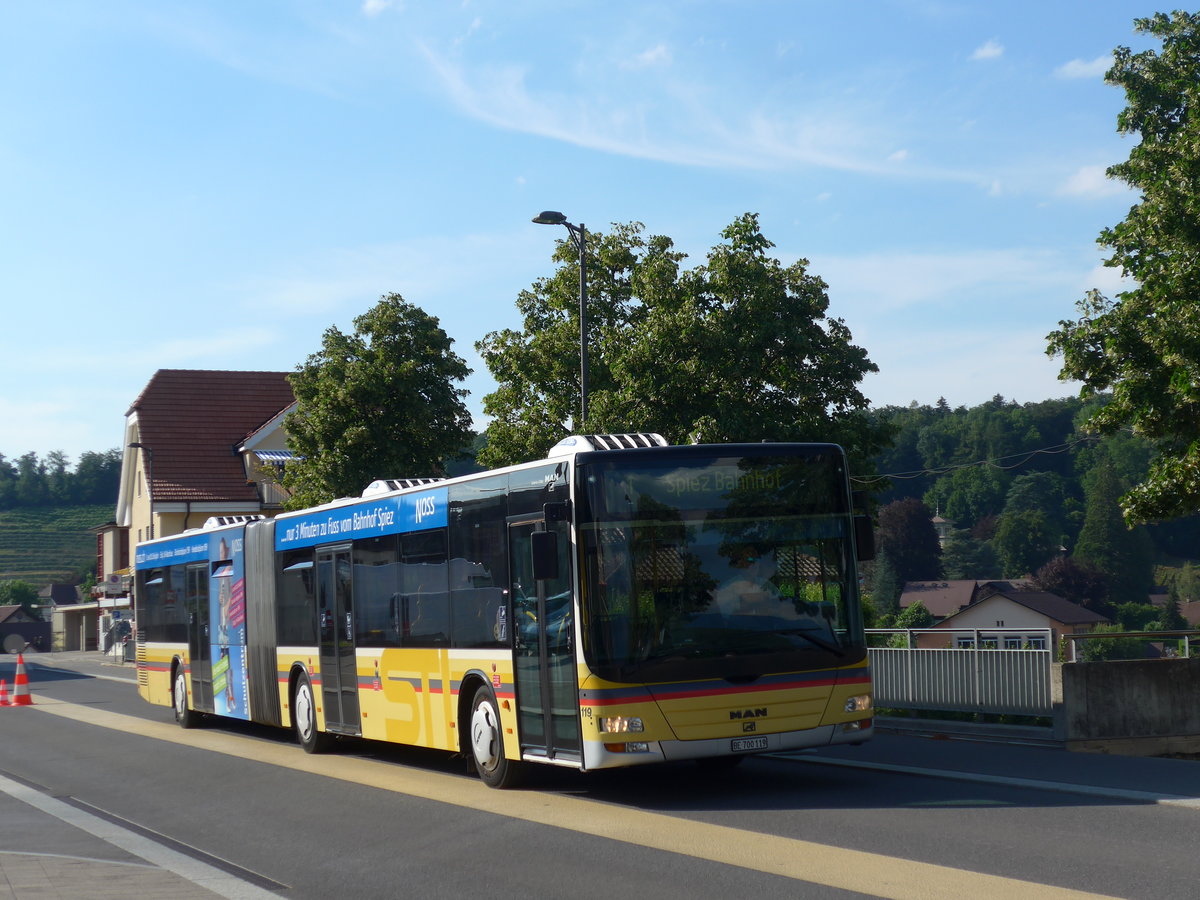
x=185 y=716
x=304 y=717
x=486 y=737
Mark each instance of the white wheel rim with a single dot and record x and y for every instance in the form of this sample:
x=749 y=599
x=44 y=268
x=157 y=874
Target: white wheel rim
x=485 y=736
x=304 y=708
x=180 y=696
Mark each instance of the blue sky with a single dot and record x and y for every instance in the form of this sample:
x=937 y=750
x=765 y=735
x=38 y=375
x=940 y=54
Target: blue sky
x=212 y=185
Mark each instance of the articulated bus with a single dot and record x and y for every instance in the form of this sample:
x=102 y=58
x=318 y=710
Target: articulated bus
x=621 y=602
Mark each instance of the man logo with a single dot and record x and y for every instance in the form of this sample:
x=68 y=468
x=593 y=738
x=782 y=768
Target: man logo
x=749 y=726
x=757 y=713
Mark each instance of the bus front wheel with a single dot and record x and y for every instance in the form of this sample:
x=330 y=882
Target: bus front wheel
x=304 y=718
x=487 y=743
x=185 y=716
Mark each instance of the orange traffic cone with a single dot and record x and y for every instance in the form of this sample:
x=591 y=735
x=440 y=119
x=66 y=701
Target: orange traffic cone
x=3 y=692
x=21 y=684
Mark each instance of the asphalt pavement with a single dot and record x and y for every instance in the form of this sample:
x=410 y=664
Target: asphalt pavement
x=53 y=848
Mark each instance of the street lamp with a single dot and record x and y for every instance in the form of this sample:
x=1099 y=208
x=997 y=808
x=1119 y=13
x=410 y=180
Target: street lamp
x=138 y=445
x=579 y=236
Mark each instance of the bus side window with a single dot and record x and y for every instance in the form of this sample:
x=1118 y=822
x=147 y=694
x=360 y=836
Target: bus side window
x=423 y=605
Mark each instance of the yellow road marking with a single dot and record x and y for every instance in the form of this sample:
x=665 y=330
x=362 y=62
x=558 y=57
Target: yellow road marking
x=854 y=870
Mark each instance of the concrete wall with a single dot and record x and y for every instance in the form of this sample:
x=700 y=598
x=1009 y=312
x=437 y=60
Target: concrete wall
x=1143 y=706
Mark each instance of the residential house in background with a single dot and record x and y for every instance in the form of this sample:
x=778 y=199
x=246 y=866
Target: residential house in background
x=1010 y=607
x=18 y=628
x=940 y=598
x=195 y=446
x=198 y=443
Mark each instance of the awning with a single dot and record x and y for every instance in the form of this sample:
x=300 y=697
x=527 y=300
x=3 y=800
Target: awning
x=275 y=456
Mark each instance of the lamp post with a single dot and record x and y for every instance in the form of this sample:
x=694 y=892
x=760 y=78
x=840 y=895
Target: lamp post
x=138 y=445
x=579 y=236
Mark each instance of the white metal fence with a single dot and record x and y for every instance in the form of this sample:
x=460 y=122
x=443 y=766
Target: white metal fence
x=974 y=674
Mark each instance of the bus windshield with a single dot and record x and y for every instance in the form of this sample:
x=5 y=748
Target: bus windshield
x=733 y=566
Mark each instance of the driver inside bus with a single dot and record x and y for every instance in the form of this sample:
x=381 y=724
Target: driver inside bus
x=749 y=590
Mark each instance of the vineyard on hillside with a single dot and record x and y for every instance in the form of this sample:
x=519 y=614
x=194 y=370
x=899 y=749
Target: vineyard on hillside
x=41 y=545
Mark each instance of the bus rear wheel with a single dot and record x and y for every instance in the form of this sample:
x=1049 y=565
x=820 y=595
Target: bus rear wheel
x=304 y=718
x=185 y=716
x=487 y=744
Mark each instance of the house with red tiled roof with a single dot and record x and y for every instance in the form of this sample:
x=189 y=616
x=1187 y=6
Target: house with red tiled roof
x=1010 y=607
x=201 y=443
x=940 y=598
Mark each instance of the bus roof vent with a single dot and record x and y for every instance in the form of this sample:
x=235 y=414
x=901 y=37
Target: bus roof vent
x=387 y=485
x=578 y=442
x=222 y=521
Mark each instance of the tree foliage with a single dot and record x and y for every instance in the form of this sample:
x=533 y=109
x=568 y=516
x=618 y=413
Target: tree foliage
x=1024 y=540
x=1124 y=555
x=22 y=594
x=1076 y=581
x=1144 y=345
x=37 y=482
x=738 y=349
x=378 y=403
x=906 y=538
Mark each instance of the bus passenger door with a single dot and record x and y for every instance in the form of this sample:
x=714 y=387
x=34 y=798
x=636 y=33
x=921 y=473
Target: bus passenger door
x=199 y=641
x=339 y=667
x=544 y=651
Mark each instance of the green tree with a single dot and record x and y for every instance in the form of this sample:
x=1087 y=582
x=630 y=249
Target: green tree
x=886 y=586
x=907 y=539
x=1144 y=345
x=1024 y=540
x=30 y=485
x=1076 y=581
x=1111 y=648
x=740 y=348
x=965 y=557
x=380 y=402
x=1121 y=553
x=969 y=493
x=22 y=594
x=1170 y=618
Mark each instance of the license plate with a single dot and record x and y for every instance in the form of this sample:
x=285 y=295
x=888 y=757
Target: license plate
x=741 y=745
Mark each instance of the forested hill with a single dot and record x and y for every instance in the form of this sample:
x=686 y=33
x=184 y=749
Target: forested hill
x=47 y=509
x=41 y=545
x=1022 y=485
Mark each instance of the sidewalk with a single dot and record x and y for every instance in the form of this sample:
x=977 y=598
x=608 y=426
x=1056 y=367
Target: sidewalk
x=53 y=848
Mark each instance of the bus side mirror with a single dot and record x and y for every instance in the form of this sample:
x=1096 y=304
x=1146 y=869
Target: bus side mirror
x=864 y=538
x=544 y=546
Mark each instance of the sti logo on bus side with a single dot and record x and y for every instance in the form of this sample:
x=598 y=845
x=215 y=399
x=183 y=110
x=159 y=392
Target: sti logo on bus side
x=748 y=713
x=426 y=506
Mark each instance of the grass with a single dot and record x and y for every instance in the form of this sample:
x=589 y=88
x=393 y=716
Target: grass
x=41 y=545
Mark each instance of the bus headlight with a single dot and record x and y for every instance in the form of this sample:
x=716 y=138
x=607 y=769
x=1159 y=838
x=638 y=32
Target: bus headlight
x=859 y=704
x=620 y=724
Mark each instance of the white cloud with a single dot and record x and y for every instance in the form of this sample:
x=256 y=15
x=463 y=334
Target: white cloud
x=373 y=8
x=681 y=122
x=658 y=55
x=1108 y=280
x=988 y=50
x=1080 y=68
x=898 y=156
x=1091 y=181
x=882 y=282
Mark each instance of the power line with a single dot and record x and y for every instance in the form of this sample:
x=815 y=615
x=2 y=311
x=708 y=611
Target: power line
x=995 y=463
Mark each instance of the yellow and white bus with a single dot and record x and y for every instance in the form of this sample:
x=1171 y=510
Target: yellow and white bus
x=621 y=602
